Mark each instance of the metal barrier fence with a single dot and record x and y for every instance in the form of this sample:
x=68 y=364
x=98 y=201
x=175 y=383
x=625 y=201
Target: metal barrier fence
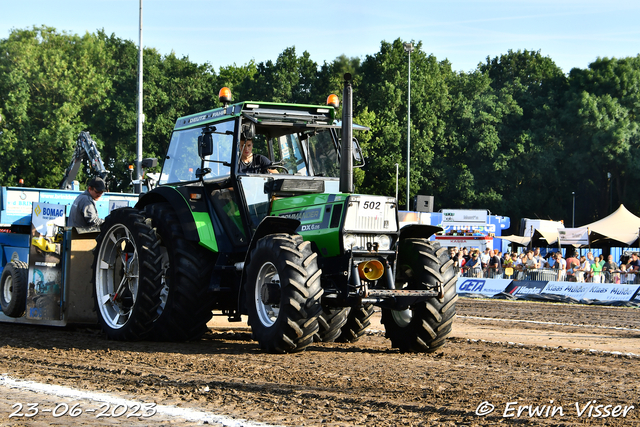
x=550 y=275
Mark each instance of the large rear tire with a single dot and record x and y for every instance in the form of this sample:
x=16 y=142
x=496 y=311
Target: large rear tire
x=330 y=323
x=186 y=266
x=422 y=327
x=283 y=293
x=358 y=321
x=13 y=292
x=127 y=279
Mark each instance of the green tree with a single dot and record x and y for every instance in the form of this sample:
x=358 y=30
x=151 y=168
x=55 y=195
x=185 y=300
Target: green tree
x=603 y=138
x=383 y=91
x=48 y=81
x=471 y=160
x=532 y=148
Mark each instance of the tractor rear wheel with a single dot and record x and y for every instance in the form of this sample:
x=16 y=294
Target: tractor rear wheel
x=13 y=295
x=331 y=321
x=186 y=272
x=283 y=291
x=127 y=279
x=358 y=321
x=423 y=327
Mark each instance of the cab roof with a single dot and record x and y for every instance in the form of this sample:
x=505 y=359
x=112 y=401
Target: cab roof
x=260 y=111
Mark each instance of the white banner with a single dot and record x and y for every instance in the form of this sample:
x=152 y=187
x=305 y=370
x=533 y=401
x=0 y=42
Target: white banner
x=488 y=287
x=611 y=292
x=567 y=289
x=573 y=236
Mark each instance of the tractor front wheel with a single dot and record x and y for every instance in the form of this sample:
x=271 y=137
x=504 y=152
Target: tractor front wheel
x=283 y=291
x=423 y=327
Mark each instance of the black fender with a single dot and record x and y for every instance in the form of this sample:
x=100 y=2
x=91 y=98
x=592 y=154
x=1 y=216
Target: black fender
x=418 y=231
x=269 y=225
x=179 y=204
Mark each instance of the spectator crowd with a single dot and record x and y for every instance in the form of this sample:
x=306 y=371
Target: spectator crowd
x=531 y=265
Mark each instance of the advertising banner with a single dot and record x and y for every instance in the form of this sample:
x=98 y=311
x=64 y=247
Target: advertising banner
x=20 y=202
x=525 y=287
x=573 y=236
x=567 y=289
x=611 y=292
x=45 y=267
x=488 y=287
x=463 y=217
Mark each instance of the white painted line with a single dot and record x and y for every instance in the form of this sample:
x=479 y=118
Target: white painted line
x=575 y=350
x=548 y=323
x=170 y=411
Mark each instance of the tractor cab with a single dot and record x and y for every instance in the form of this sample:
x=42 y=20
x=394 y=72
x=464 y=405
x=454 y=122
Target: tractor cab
x=294 y=150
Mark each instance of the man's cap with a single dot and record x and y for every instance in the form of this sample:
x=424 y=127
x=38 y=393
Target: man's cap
x=98 y=184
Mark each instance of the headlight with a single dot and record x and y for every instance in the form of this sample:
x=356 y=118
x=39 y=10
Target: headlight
x=349 y=241
x=384 y=242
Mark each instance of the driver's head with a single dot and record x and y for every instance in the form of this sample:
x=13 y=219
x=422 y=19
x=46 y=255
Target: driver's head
x=246 y=146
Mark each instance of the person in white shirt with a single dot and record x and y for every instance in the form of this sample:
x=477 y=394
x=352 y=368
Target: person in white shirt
x=530 y=262
x=485 y=257
x=538 y=256
x=561 y=265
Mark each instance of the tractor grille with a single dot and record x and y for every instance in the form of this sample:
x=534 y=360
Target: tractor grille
x=371 y=214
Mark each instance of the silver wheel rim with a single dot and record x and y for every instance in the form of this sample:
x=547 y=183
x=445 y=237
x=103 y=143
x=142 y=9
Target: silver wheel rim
x=7 y=289
x=117 y=276
x=402 y=317
x=267 y=313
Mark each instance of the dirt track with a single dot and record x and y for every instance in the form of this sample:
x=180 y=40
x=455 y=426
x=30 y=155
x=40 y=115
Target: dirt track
x=367 y=383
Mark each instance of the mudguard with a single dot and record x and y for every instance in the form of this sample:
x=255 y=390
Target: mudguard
x=195 y=220
x=418 y=231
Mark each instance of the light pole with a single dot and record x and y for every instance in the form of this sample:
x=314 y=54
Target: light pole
x=137 y=187
x=408 y=47
x=397 y=171
x=573 y=220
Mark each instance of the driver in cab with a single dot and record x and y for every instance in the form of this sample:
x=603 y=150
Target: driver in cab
x=252 y=163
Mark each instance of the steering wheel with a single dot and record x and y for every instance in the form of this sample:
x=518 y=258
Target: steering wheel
x=275 y=166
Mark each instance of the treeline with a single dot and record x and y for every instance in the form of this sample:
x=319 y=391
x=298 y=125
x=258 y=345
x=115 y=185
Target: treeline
x=516 y=136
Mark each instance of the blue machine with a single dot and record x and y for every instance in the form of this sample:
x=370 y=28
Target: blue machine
x=15 y=215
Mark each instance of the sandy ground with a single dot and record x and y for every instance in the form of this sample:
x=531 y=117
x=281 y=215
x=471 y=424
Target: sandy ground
x=506 y=362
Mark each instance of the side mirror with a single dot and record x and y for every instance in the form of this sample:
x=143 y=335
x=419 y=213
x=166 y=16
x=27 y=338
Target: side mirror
x=248 y=131
x=358 y=158
x=205 y=145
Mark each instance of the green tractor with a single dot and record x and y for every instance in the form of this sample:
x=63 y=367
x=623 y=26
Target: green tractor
x=285 y=242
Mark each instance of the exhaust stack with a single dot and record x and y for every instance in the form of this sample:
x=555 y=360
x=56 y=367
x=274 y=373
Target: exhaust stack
x=346 y=149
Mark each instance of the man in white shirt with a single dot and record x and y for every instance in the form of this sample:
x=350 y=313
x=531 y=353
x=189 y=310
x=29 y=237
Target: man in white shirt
x=538 y=256
x=560 y=265
x=485 y=257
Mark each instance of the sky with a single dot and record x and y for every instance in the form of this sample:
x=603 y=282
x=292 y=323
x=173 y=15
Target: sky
x=573 y=33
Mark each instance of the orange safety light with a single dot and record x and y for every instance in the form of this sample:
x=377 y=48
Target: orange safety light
x=130 y=167
x=225 y=96
x=333 y=101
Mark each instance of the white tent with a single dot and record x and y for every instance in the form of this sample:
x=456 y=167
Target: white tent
x=621 y=228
